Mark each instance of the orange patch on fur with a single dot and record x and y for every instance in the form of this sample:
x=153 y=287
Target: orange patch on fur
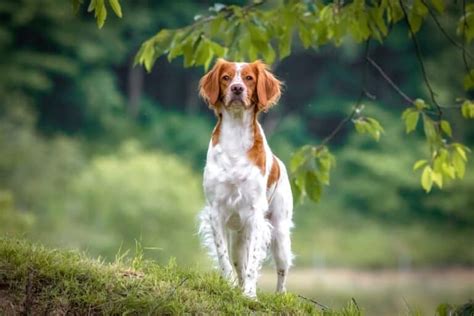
x=256 y=153
x=274 y=173
x=217 y=131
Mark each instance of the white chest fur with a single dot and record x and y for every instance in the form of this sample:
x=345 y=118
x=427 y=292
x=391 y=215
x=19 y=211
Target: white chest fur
x=232 y=182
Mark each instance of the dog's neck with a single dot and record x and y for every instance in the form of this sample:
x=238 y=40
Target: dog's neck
x=237 y=128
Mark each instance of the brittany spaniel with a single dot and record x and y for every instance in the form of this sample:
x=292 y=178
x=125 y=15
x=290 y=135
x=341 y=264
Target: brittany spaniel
x=249 y=204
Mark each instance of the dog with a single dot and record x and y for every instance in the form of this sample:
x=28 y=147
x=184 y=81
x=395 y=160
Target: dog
x=249 y=204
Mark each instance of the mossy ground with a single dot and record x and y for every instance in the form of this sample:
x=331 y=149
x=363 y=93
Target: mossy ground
x=36 y=280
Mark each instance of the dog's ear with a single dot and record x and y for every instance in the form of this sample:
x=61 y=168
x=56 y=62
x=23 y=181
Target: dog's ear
x=209 y=86
x=268 y=87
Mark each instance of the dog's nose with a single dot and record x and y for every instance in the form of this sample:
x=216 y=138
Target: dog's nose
x=237 y=88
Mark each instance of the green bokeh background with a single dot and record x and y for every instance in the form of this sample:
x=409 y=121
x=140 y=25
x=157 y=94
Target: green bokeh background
x=97 y=155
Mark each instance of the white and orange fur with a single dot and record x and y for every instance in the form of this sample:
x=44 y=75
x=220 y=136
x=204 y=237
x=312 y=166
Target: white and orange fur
x=249 y=203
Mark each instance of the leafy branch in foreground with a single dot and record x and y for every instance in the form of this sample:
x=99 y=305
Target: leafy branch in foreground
x=99 y=8
x=261 y=31
x=447 y=160
x=310 y=166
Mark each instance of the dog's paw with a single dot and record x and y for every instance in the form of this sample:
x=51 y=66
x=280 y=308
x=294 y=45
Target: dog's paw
x=281 y=290
x=250 y=292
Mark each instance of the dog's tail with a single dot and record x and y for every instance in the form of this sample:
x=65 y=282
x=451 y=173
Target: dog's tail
x=206 y=234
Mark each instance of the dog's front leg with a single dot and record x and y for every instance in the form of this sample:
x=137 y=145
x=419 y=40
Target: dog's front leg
x=257 y=239
x=220 y=240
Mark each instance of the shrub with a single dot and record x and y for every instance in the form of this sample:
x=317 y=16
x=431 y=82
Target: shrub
x=135 y=195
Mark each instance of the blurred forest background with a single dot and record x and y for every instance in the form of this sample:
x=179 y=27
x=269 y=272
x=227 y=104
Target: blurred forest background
x=97 y=154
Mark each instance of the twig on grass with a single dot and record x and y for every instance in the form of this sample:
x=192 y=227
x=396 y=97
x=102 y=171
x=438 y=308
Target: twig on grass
x=322 y=306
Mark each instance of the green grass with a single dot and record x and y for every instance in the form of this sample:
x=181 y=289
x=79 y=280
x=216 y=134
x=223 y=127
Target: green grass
x=37 y=280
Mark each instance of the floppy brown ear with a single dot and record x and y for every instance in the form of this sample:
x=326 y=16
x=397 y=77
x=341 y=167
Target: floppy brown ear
x=268 y=88
x=209 y=87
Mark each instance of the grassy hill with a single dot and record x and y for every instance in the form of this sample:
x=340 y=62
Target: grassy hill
x=36 y=280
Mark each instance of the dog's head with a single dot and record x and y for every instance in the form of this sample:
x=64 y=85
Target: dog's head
x=244 y=85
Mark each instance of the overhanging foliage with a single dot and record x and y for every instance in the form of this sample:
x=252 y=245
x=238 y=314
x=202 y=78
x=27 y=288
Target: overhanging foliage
x=268 y=32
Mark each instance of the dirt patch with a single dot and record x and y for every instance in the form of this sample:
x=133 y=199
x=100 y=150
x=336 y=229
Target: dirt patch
x=8 y=304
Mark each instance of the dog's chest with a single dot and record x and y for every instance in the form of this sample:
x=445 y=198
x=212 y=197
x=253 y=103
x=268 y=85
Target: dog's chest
x=231 y=179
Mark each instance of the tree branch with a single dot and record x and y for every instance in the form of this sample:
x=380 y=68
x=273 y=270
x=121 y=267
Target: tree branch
x=420 y=61
x=208 y=19
x=390 y=81
x=465 y=53
x=445 y=33
x=356 y=108
x=466 y=26
x=397 y=88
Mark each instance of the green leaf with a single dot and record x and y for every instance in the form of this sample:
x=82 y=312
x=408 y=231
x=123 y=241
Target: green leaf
x=360 y=126
x=394 y=12
x=449 y=170
x=299 y=158
x=377 y=22
x=416 y=15
x=430 y=131
x=439 y=159
x=76 y=5
x=446 y=127
x=115 y=5
x=437 y=179
x=100 y=13
x=148 y=55
x=411 y=117
x=260 y=39
x=406 y=112
x=296 y=190
x=420 y=104
x=284 y=44
x=419 y=164
x=461 y=152
x=415 y=22
x=305 y=35
x=176 y=46
x=216 y=25
x=189 y=49
x=427 y=179
x=368 y=125
x=202 y=53
x=469 y=80
x=459 y=165
x=375 y=128
x=217 y=49
x=467 y=109
x=465 y=24
x=313 y=186
x=324 y=161
x=153 y=48
x=438 y=5
x=91 y=6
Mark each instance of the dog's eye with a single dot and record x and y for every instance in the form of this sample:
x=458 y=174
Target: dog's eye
x=248 y=78
x=225 y=78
